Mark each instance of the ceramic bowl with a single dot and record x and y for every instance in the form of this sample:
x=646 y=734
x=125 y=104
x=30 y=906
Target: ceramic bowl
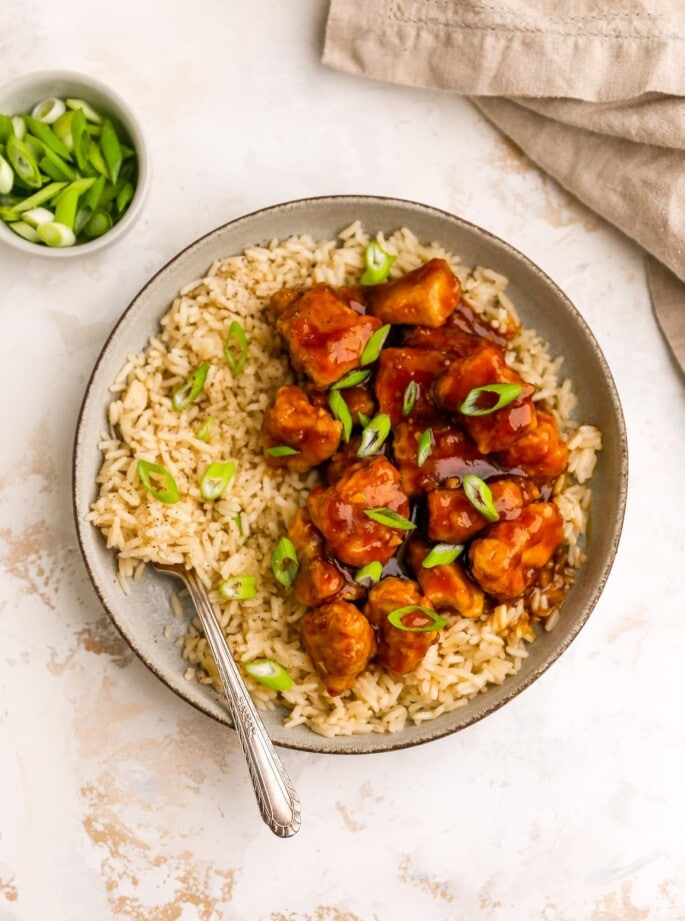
x=543 y=306
x=22 y=94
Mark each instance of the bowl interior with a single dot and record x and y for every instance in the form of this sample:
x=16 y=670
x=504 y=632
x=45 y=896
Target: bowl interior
x=143 y=617
x=23 y=93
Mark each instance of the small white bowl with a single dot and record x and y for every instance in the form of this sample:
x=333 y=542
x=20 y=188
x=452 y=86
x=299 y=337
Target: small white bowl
x=22 y=94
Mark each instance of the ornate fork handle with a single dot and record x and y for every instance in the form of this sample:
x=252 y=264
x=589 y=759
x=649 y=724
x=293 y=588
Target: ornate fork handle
x=276 y=797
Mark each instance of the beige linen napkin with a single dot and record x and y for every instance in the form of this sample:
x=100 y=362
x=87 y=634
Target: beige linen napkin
x=591 y=90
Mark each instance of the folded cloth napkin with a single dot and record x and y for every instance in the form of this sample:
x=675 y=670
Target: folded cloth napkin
x=592 y=90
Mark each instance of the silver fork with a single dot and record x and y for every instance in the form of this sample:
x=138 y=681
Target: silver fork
x=276 y=797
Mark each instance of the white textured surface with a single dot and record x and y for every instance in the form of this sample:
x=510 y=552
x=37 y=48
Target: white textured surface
x=116 y=799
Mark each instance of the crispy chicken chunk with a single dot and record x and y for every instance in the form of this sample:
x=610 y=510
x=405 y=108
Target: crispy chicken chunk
x=447 y=586
x=452 y=518
x=504 y=562
x=292 y=420
x=400 y=651
x=428 y=295
x=453 y=455
x=325 y=335
x=396 y=368
x=498 y=430
x=541 y=452
x=448 y=339
x=318 y=578
x=340 y=642
x=338 y=512
x=359 y=399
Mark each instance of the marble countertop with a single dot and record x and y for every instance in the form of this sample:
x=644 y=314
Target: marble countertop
x=117 y=800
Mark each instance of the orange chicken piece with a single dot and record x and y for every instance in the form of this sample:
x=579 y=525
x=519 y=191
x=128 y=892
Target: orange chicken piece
x=400 y=651
x=325 y=335
x=340 y=642
x=318 y=578
x=541 y=452
x=339 y=512
x=505 y=560
x=498 y=430
x=447 y=586
x=452 y=518
x=291 y=420
x=396 y=368
x=428 y=295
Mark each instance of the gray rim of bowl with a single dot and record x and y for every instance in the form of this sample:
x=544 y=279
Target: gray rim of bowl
x=322 y=745
x=133 y=126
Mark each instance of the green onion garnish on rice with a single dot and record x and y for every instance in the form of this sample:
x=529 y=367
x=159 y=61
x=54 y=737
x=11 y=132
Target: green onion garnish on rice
x=235 y=348
x=506 y=394
x=191 y=388
x=269 y=673
x=378 y=264
x=239 y=588
x=414 y=618
x=205 y=430
x=215 y=480
x=284 y=562
x=479 y=495
x=169 y=491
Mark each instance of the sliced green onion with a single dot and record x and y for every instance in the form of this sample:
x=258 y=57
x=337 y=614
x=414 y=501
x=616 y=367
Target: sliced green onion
x=62 y=129
x=239 y=523
x=411 y=392
x=425 y=447
x=6 y=128
x=374 y=435
x=23 y=162
x=442 y=555
x=363 y=419
x=45 y=134
x=369 y=575
x=124 y=196
x=378 y=264
x=373 y=347
x=235 y=348
x=65 y=210
x=187 y=392
x=215 y=479
x=479 y=495
x=88 y=111
x=92 y=197
x=205 y=430
x=111 y=150
x=389 y=518
x=341 y=412
x=281 y=451
x=269 y=673
x=54 y=167
x=350 y=380
x=6 y=177
x=416 y=619
x=47 y=193
x=55 y=234
x=506 y=393
x=284 y=562
x=96 y=159
x=37 y=216
x=81 y=139
x=239 y=588
x=146 y=470
x=18 y=126
x=83 y=216
x=26 y=231
x=98 y=223
x=49 y=110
